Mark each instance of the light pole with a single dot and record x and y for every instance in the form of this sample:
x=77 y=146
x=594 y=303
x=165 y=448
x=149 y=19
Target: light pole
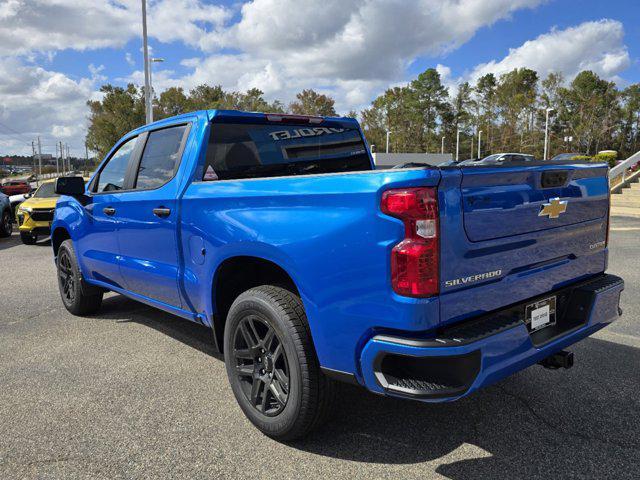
x=457 y=144
x=147 y=66
x=479 y=143
x=442 y=146
x=546 y=133
x=151 y=62
x=388 y=135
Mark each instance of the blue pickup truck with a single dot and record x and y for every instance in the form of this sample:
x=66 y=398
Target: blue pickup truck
x=312 y=268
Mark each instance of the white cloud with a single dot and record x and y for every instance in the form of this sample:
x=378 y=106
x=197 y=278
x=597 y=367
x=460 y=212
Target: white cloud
x=38 y=102
x=47 y=25
x=354 y=40
x=597 y=46
x=350 y=49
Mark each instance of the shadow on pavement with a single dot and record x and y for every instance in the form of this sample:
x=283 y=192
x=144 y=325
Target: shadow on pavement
x=14 y=241
x=580 y=423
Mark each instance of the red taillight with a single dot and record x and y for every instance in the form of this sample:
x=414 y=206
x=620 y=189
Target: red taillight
x=414 y=261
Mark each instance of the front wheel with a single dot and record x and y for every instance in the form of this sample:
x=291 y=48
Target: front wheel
x=28 y=238
x=77 y=297
x=6 y=224
x=272 y=365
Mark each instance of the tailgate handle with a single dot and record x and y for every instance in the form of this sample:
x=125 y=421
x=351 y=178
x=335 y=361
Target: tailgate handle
x=554 y=178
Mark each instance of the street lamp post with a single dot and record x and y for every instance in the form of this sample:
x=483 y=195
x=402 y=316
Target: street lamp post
x=457 y=145
x=479 y=143
x=442 y=146
x=151 y=62
x=388 y=135
x=546 y=133
x=147 y=66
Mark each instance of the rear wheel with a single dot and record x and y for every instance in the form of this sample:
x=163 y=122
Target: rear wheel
x=77 y=297
x=272 y=365
x=28 y=238
x=6 y=224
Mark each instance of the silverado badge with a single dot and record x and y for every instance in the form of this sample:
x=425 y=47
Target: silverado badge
x=554 y=208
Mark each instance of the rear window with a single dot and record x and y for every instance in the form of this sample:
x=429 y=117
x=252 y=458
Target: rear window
x=263 y=150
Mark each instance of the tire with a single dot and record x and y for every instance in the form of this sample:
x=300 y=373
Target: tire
x=28 y=238
x=6 y=224
x=78 y=297
x=272 y=365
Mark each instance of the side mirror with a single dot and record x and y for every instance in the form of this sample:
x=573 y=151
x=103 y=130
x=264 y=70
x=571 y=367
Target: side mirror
x=28 y=195
x=71 y=186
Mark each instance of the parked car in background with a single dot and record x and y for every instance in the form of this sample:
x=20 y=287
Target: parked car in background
x=500 y=159
x=310 y=266
x=6 y=220
x=35 y=214
x=566 y=157
x=15 y=187
x=17 y=200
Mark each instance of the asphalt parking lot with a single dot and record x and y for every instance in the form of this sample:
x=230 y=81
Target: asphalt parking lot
x=137 y=393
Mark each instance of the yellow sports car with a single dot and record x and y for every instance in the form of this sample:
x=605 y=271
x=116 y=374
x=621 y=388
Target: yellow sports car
x=35 y=214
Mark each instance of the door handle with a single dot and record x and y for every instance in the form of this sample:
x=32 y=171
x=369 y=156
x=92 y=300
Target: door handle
x=162 y=212
x=109 y=211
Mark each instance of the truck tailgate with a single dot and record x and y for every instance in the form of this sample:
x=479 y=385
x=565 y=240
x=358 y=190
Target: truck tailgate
x=520 y=232
x=503 y=202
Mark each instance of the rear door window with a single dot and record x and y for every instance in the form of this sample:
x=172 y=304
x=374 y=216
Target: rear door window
x=263 y=150
x=161 y=157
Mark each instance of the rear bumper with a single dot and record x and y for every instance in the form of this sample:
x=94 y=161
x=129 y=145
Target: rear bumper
x=479 y=352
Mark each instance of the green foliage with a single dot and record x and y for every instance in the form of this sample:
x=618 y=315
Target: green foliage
x=119 y=111
x=589 y=114
x=309 y=102
x=606 y=157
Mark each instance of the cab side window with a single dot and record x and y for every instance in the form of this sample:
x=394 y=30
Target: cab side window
x=113 y=174
x=160 y=158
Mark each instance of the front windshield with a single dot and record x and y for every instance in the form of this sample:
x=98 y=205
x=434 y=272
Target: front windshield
x=46 y=190
x=490 y=158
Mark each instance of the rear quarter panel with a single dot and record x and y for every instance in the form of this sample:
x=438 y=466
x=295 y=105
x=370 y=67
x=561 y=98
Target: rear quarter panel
x=327 y=232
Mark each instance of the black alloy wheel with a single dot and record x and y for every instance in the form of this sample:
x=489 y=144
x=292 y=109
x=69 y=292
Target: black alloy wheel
x=66 y=277
x=7 y=224
x=261 y=365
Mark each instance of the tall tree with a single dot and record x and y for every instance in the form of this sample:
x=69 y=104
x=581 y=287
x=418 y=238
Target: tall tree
x=171 y=102
x=310 y=102
x=430 y=101
x=516 y=96
x=119 y=111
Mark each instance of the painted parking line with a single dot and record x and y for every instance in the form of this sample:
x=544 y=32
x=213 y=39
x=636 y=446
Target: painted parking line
x=619 y=338
x=624 y=229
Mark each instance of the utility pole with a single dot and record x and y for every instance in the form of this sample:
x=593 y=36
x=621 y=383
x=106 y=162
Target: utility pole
x=68 y=159
x=546 y=134
x=147 y=65
x=39 y=158
x=388 y=135
x=479 y=143
x=86 y=158
x=33 y=148
x=471 y=145
x=442 y=146
x=458 y=145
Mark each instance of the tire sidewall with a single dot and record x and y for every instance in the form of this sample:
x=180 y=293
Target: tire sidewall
x=264 y=309
x=67 y=249
x=6 y=228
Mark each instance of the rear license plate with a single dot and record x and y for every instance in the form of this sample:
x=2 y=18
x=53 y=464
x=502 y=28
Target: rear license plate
x=540 y=314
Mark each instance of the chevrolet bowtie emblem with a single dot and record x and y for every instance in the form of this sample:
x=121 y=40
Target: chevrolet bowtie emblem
x=554 y=208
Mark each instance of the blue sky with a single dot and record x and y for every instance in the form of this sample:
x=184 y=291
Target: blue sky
x=53 y=57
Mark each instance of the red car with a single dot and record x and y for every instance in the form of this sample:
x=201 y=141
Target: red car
x=15 y=188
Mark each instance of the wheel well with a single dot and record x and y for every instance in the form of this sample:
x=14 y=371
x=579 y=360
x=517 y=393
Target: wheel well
x=239 y=274
x=59 y=235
